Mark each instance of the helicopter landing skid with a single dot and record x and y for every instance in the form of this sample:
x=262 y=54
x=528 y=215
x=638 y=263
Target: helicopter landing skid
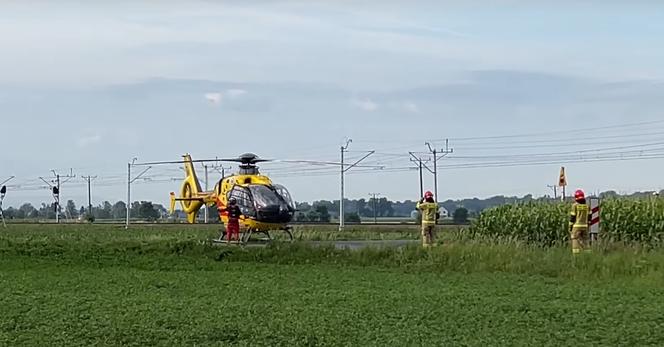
x=245 y=237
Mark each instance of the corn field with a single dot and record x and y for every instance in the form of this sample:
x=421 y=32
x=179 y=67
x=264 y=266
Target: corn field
x=622 y=220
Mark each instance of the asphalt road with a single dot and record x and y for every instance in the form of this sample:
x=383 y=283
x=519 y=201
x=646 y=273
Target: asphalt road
x=358 y=244
x=365 y=243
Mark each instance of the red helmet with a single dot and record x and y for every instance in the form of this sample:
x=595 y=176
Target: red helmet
x=579 y=195
x=428 y=195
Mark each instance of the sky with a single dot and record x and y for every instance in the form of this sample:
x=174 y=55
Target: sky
x=520 y=88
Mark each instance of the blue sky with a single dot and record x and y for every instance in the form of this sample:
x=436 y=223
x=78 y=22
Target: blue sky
x=89 y=87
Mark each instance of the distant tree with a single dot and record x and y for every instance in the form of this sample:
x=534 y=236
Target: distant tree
x=300 y=217
x=312 y=216
x=323 y=213
x=119 y=210
x=9 y=213
x=70 y=209
x=147 y=211
x=34 y=214
x=303 y=206
x=609 y=194
x=102 y=211
x=352 y=218
x=134 y=209
x=384 y=207
x=163 y=212
x=362 y=209
x=460 y=215
x=26 y=211
x=107 y=209
x=47 y=211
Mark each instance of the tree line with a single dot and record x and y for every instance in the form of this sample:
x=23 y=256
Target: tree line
x=142 y=210
x=318 y=211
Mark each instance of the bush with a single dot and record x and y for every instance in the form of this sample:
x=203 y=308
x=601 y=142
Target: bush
x=89 y=217
x=460 y=216
x=352 y=218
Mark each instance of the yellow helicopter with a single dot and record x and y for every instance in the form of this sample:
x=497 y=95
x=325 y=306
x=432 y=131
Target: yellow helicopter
x=265 y=206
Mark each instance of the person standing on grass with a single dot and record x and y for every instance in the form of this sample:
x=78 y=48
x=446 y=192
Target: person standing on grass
x=578 y=223
x=428 y=207
x=233 y=225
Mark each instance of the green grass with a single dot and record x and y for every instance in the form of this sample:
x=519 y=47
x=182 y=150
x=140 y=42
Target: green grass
x=107 y=287
x=105 y=232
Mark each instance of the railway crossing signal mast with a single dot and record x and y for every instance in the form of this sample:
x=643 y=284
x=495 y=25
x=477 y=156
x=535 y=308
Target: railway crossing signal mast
x=56 y=182
x=3 y=192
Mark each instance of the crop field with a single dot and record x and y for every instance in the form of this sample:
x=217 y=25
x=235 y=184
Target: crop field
x=101 y=285
x=623 y=220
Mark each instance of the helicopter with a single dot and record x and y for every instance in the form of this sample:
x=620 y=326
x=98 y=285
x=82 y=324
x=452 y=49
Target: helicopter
x=265 y=206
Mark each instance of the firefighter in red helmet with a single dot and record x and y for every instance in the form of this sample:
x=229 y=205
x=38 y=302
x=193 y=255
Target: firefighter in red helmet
x=428 y=207
x=578 y=223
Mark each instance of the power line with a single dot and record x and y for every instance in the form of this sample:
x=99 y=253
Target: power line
x=594 y=129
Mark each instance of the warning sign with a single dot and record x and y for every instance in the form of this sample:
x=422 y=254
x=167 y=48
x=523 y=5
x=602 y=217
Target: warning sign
x=562 y=181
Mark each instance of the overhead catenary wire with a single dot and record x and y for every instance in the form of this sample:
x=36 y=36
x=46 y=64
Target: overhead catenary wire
x=557 y=132
x=625 y=142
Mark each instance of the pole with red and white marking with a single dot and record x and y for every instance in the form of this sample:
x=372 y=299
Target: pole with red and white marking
x=594 y=219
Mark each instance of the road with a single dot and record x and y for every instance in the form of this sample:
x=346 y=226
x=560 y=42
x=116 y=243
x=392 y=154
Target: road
x=365 y=243
x=353 y=245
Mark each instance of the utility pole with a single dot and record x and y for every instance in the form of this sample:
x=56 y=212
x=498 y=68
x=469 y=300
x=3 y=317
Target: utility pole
x=420 y=165
x=447 y=150
x=89 y=179
x=373 y=195
x=205 y=212
x=55 y=184
x=3 y=192
x=129 y=182
x=341 y=200
x=343 y=169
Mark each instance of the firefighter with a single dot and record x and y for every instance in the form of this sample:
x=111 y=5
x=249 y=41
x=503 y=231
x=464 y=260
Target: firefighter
x=578 y=223
x=429 y=210
x=233 y=225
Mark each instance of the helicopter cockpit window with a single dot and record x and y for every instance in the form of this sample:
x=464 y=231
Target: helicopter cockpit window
x=244 y=201
x=283 y=192
x=264 y=196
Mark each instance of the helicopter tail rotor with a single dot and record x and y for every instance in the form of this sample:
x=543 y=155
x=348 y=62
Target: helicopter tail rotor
x=189 y=191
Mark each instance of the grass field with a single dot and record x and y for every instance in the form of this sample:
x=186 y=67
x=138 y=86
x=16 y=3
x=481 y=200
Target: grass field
x=95 y=286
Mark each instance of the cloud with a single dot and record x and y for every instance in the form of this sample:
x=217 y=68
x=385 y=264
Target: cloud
x=89 y=140
x=235 y=93
x=229 y=94
x=214 y=98
x=365 y=105
x=410 y=107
